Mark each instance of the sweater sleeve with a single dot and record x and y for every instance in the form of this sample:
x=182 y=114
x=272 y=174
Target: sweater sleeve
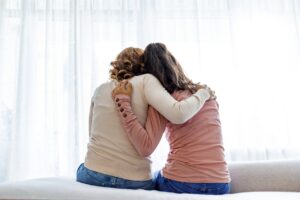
x=145 y=140
x=177 y=112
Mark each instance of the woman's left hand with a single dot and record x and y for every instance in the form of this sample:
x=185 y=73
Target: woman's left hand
x=211 y=92
x=123 y=87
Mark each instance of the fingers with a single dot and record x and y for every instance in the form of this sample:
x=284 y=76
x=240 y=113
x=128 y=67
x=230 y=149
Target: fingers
x=126 y=85
x=123 y=87
x=118 y=88
x=114 y=92
x=123 y=84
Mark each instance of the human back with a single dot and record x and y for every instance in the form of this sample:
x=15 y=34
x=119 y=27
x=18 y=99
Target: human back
x=196 y=147
x=109 y=150
x=196 y=162
x=111 y=160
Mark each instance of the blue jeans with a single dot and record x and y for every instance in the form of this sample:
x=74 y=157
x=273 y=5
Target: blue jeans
x=85 y=175
x=168 y=185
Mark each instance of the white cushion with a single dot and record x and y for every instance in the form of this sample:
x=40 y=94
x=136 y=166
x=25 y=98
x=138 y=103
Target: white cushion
x=67 y=188
x=258 y=176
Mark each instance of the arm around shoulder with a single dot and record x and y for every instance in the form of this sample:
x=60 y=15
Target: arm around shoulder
x=177 y=112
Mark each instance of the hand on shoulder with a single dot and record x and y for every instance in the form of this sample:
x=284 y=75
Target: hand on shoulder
x=211 y=92
x=124 y=87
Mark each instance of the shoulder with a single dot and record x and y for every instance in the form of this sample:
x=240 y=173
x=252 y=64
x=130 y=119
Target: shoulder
x=145 y=79
x=212 y=104
x=105 y=87
x=149 y=78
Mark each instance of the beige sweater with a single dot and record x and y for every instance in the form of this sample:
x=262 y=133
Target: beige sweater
x=110 y=150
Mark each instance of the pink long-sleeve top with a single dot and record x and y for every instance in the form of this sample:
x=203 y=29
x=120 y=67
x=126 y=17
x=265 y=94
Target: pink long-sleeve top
x=196 y=148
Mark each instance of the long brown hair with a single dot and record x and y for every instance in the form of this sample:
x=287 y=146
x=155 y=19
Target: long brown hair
x=163 y=65
x=127 y=64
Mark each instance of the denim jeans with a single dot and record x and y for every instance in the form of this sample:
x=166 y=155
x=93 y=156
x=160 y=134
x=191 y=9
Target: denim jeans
x=168 y=185
x=85 y=175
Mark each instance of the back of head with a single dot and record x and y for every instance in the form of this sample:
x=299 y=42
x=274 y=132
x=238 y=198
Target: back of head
x=163 y=65
x=127 y=64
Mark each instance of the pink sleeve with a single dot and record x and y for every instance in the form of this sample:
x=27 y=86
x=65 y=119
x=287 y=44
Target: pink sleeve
x=145 y=140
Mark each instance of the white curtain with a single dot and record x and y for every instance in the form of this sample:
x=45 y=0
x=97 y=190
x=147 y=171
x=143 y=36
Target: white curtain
x=54 y=53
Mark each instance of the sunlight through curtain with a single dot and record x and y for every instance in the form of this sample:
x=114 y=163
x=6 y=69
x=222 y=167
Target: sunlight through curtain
x=54 y=53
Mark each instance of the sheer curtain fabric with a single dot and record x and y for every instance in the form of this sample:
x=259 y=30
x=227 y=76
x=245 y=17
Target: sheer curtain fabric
x=54 y=53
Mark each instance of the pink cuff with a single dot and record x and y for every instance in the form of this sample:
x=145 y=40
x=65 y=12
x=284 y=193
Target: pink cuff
x=123 y=104
x=122 y=97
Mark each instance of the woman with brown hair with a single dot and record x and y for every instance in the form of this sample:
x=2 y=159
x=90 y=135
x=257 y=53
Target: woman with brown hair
x=196 y=162
x=111 y=159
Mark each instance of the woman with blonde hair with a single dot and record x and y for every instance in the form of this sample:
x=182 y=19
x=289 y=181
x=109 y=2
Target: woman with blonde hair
x=111 y=159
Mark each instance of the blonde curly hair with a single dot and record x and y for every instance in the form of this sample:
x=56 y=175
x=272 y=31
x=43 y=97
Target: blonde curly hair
x=128 y=63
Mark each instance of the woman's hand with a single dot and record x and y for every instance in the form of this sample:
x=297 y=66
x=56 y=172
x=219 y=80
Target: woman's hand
x=212 y=93
x=123 y=87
